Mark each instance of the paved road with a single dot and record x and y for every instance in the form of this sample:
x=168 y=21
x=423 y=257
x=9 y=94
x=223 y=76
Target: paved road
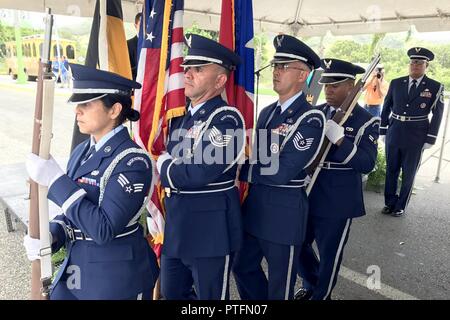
x=411 y=253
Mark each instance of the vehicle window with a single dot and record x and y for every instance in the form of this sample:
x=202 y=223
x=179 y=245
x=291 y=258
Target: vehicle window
x=70 y=52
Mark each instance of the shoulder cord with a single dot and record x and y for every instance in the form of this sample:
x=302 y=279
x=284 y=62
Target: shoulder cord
x=108 y=172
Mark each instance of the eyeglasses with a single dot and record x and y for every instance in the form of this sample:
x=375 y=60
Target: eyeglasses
x=284 y=67
x=418 y=62
x=196 y=69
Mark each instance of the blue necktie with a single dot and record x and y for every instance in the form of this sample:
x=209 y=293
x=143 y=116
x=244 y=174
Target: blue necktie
x=275 y=114
x=328 y=113
x=88 y=154
x=332 y=114
x=412 y=89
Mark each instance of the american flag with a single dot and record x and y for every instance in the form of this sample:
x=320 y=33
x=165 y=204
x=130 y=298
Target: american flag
x=162 y=97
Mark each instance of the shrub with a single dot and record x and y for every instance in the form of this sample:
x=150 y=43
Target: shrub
x=376 y=179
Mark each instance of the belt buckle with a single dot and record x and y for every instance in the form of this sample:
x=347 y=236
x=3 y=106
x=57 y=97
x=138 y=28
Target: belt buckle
x=402 y=118
x=167 y=191
x=326 y=165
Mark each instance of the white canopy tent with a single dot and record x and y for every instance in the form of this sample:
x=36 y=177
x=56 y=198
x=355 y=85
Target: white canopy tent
x=299 y=17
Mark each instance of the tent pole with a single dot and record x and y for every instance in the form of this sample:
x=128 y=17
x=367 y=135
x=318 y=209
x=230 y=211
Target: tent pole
x=441 y=154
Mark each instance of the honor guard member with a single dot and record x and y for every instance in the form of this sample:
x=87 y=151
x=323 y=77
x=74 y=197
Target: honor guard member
x=203 y=218
x=408 y=130
x=100 y=197
x=289 y=132
x=337 y=194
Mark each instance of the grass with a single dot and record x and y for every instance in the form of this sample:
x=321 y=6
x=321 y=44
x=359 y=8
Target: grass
x=267 y=91
x=57 y=259
x=377 y=177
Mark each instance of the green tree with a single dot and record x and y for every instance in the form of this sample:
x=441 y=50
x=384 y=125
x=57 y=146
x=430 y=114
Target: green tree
x=348 y=50
x=377 y=38
x=195 y=29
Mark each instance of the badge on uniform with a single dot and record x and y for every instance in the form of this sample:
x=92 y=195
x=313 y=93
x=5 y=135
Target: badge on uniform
x=95 y=173
x=218 y=139
x=230 y=116
x=315 y=119
x=300 y=143
x=274 y=148
x=195 y=130
x=89 y=181
x=282 y=129
x=426 y=93
x=279 y=40
x=423 y=105
x=129 y=187
x=142 y=159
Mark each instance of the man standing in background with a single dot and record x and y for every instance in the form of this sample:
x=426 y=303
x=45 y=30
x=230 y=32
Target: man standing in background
x=132 y=46
x=408 y=130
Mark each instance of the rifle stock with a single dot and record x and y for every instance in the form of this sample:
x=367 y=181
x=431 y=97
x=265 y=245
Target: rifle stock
x=340 y=117
x=38 y=223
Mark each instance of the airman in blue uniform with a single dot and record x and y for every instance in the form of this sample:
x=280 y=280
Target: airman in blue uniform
x=289 y=133
x=408 y=129
x=203 y=217
x=100 y=197
x=337 y=195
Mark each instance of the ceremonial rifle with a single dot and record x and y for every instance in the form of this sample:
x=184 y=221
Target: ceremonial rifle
x=341 y=115
x=38 y=223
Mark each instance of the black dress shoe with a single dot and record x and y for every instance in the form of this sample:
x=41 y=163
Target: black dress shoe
x=398 y=213
x=387 y=210
x=303 y=294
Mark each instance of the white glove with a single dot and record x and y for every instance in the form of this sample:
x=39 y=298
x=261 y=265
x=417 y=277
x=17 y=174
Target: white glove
x=427 y=146
x=334 y=132
x=161 y=160
x=44 y=172
x=32 y=247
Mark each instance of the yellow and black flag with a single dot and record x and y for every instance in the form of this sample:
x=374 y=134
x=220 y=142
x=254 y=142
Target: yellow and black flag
x=107 y=48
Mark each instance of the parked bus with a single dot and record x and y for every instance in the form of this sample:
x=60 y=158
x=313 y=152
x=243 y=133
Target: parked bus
x=32 y=47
